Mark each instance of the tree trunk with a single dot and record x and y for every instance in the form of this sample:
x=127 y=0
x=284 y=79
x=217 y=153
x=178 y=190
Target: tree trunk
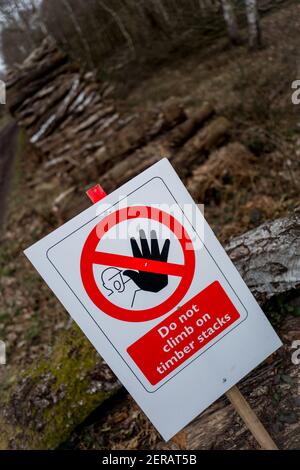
x=197 y=148
x=272 y=390
x=268 y=257
x=80 y=33
x=33 y=403
x=120 y=25
x=231 y=21
x=254 y=32
x=158 y=4
x=25 y=25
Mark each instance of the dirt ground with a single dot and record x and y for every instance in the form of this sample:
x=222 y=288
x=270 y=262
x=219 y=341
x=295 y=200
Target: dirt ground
x=254 y=91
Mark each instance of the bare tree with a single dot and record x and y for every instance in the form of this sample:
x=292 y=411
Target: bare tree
x=253 y=24
x=21 y=13
x=162 y=10
x=17 y=38
x=96 y=30
x=231 y=21
x=79 y=31
x=209 y=5
x=37 y=18
x=254 y=32
x=120 y=24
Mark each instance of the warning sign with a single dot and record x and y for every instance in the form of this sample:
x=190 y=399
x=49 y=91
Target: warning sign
x=184 y=333
x=148 y=267
x=145 y=278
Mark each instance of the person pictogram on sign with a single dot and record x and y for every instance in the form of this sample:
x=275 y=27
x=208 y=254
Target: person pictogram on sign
x=112 y=280
x=116 y=285
x=116 y=282
x=162 y=276
x=147 y=281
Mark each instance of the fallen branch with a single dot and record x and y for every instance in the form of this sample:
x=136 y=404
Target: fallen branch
x=268 y=257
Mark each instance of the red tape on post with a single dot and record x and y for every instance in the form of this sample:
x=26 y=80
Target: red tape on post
x=96 y=193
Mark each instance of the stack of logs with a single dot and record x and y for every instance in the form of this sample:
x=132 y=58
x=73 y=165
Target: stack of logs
x=79 y=131
x=82 y=135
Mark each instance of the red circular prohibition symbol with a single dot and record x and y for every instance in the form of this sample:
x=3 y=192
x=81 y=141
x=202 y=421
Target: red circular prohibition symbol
x=90 y=256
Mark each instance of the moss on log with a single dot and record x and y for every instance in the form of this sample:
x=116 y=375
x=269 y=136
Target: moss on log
x=41 y=405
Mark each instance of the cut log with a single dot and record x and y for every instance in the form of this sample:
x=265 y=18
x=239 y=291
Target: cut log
x=268 y=257
x=198 y=147
x=40 y=110
x=40 y=409
x=233 y=163
x=141 y=131
x=133 y=164
x=206 y=139
x=272 y=390
x=184 y=131
x=34 y=81
x=41 y=405
x=63 y=110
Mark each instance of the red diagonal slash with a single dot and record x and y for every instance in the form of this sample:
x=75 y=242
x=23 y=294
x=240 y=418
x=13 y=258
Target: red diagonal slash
x=90 y=256
x=140 y=264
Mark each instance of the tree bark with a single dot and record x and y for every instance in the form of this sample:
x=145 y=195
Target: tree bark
x=80 y=33
x=268 y=257
x=158 y=4
x=33 y=403
x=120 y=25
x=272 y=390
x=231 y=21
x=25 y=25
x=197 y=148
x=254 y=32
x=151 y=152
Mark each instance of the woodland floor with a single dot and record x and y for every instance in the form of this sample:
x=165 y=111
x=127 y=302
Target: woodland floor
x=254 y=91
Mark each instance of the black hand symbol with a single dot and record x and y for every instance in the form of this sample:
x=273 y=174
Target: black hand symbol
x=150 y=282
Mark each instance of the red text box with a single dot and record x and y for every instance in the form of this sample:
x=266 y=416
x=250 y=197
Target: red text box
x=184 y=333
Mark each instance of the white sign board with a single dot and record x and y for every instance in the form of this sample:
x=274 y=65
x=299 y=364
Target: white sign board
x=143 y=275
